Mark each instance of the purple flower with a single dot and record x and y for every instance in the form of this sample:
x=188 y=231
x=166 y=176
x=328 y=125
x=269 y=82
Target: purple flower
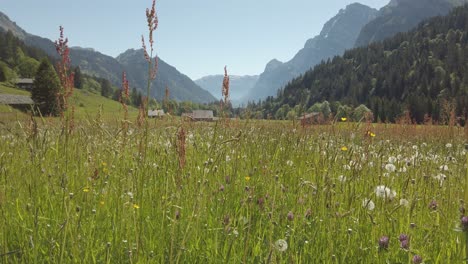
x=383 y=242
x=433 y=205
x=221 y=188
x=417 y=259
x=177 y=214
x=404 y=244
x=403 y=237
x=290 y=216
x=464 y=223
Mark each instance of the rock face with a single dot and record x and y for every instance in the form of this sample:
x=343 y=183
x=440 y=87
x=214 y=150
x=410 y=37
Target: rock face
x=239 y=86
x=337 y=35
x=95 y=63
x=401 y=16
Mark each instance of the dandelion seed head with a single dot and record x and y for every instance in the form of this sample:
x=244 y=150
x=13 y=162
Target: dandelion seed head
x=281 y=245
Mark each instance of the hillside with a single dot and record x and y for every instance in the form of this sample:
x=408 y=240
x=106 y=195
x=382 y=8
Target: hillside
x=337 y=35
x=181 y=87
x=417 y=71
x=87 y=104
x=401 y=16
x=94 y=63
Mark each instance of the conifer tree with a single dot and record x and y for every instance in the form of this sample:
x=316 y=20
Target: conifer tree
x=46 y=88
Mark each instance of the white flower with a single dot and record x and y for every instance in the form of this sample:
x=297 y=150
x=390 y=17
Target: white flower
x=228 y=158
x=404 y=202
x=281 y=245
x=448 y=145
x=402 y=169
x=444 y=168
x=342 y=178
x=392 y=159
x=440 y=177
x=384 y=192
x=390 y=167
x=368 y=204
x=290 y=163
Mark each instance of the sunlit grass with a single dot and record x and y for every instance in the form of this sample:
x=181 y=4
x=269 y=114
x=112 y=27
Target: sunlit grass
x=247 y=188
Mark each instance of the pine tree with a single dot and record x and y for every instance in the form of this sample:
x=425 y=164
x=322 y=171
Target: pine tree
x=46 y=88
x=106 y=88
x=78 y=78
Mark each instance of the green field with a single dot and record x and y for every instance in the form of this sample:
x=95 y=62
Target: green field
x=87 y=104
x=246 y=190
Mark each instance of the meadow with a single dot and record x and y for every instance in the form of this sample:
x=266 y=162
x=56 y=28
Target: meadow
x=231 y=192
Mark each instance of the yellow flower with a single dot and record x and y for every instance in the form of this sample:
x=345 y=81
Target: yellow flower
x=104 y=164
x=371 y=134
x=136 y=206
x=101 y=202
x=247 y=178
x=344 y=148
x=85 y=189
x=344 y=119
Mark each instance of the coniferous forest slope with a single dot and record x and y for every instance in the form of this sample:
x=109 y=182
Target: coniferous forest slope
x=419 y=71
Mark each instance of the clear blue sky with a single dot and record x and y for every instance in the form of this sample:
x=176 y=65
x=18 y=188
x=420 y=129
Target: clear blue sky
x=197 y=37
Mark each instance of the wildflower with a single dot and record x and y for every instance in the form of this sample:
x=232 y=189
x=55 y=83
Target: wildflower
x=368 y=204
x=417 y=259
x=404 y=244
x=384 y=192
x=404 y=202
x=343 y=119
x=444 y=168
x=390 y=167
x=433 y=205
x=136 y=206
x=448 y=145
x=221 y=188
x=464 y=223
x=281 y=245
x=86 y=189
x=342 y=178
x=344 y=148
x=392 y=159
x=404 y=241
x=261 y=202
x=290 y=163
x=308 y=213
x=290 y=216
x=383 y=242
x=177 y=214
x=247 y=178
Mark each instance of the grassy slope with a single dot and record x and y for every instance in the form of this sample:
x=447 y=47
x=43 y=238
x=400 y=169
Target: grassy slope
x=87 y=104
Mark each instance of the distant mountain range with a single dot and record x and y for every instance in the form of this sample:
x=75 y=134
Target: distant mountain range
x=423 y=71
x=239 y=86
x=97 y=64
x=401 y=16
x=337 y=35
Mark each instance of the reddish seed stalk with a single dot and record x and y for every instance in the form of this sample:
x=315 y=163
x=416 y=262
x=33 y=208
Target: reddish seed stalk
x=64 y=71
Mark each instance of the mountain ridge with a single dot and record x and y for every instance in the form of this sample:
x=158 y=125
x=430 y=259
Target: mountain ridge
x=337 y=35
x=97 y=64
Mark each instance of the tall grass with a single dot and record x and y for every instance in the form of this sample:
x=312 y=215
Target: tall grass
x=241 y=193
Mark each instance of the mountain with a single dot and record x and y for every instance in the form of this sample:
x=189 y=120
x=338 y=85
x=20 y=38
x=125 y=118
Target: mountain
x=181 y=87
x=239 y=86
x=423 y=71
x=100 y=65
x=401 y=16
x=337 y=35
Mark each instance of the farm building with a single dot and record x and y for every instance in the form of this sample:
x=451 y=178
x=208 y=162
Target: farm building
x=25 y=84
x=200 y=115
x=158 y=113
x=21 y=102
x=311 y=119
